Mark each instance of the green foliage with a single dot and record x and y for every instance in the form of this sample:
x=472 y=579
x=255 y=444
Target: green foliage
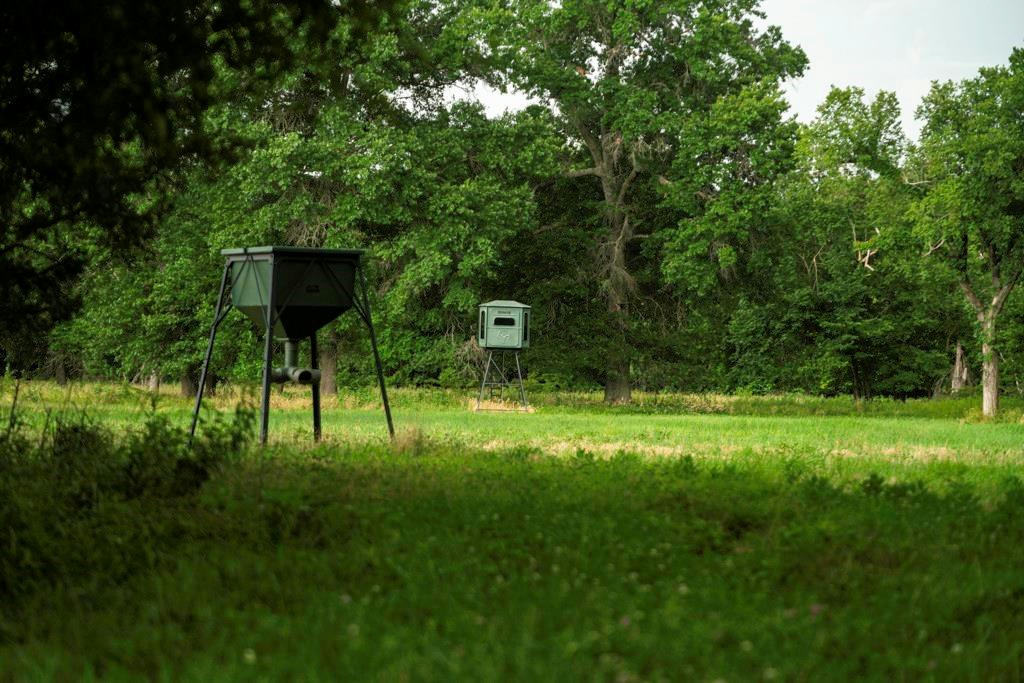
x=658 y=102
x=436 y=195
x=838 y=304
x=970 y=157
x=103 y=107
x=728 y=163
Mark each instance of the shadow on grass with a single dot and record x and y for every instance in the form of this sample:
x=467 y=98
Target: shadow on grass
x=136 y=556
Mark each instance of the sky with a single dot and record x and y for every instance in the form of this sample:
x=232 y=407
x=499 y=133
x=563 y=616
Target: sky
x=896 y=45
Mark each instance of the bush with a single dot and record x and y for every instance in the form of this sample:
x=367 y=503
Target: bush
x=73 y=498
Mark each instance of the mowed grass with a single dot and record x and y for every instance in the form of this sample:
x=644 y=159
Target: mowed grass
x=938 y=440
x=948 y=429
x=564 y=544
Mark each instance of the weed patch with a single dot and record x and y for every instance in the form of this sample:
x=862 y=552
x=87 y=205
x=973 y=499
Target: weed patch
x=77 y=501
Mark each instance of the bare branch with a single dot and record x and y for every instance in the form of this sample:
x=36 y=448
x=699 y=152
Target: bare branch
x=864 y=258
x=935 y=247
x=915 y=183
x=580 y=172
x=813 y=267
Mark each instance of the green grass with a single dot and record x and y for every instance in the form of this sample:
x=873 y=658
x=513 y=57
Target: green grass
x=571 y=543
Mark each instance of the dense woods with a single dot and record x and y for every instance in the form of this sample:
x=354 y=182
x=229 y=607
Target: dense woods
x=672 y=225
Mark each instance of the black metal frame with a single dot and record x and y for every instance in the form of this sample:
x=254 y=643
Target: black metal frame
x=360 y=302
x=503 y=382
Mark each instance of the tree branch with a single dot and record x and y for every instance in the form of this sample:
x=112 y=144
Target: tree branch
x=625 y=187
x=1000 y=298
x=995 y=263
x=972 y=297
x=580 y=172
x=935 y=247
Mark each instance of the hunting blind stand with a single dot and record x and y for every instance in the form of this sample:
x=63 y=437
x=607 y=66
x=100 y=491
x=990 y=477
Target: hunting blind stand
x=504 y=328
x=291 y=292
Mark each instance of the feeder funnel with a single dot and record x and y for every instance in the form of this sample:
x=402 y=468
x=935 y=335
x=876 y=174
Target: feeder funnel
x=290 y=293
x=311 y=287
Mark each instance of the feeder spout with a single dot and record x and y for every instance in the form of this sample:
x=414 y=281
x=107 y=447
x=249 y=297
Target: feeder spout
x=291 y=353
x=291 y=372
x=294 y=374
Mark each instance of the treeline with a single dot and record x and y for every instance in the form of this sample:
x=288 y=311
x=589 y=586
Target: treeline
x=671 y=224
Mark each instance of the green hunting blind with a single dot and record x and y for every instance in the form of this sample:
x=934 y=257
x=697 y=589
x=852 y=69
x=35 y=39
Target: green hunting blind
x=290 y=293
x=502 y=327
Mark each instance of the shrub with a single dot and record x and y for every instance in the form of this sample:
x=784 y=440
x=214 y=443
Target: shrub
x=72 y=499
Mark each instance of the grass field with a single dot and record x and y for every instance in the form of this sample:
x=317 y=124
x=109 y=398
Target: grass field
x=684 y=538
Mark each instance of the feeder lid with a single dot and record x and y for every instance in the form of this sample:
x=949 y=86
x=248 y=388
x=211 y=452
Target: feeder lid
x=292 y=251
x=503 y=303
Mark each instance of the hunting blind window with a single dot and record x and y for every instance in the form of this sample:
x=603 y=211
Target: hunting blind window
x=505 y=322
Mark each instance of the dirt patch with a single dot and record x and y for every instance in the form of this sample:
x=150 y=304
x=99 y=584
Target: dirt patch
x=498 y=406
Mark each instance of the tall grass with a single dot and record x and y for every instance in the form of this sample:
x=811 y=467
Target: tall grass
x=72 y=495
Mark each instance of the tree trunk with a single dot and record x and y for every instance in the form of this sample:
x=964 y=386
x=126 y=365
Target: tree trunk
x=329 y=364
x=60 y=372
x=989 y=368
x=211 y=385
x=855 y=384
x=188 y=384
x=616 y=168
x=620 y=283
x=617 y=387
x=153 y=383
x=961 y=374
x=986 y=315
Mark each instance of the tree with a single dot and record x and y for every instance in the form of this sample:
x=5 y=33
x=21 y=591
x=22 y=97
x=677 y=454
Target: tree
x=844 y=296
x=630 y=82
x=100 y=103
x=970 y=217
